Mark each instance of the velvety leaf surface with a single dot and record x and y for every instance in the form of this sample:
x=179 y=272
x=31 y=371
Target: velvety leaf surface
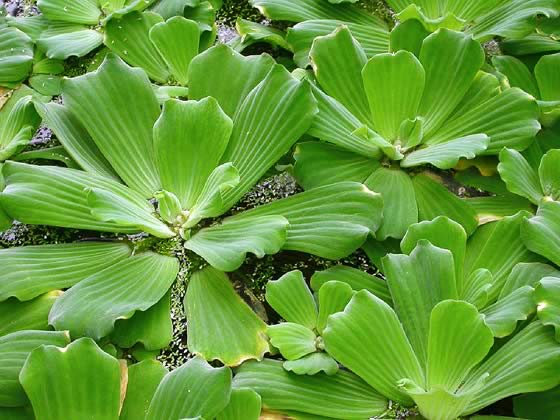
x=527 y=274
x=62 y=40
x=92 y=306
x=312 y=364
x=519 y=176
x=333 y=297
x=86 y=12
x=213 y=306
x=16 y=50
x=30 y=315
x=502 y=316
x=517 y=73
x=541 y=233
x=292 y=340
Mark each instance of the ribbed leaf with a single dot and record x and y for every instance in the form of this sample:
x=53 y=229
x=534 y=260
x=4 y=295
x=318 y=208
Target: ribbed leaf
x=408 y=36
x=527 y=363
x=143 y=380
x=330 y=221
x=194 y=389
x=62 y=40
x=206 y=76
x=33 y=270
x=86 y=12
x=435 y=200
x=446 y=155
x=498 y=247
x=315 y=162
x=75 y=138
x=389 y=356
x=503 y=315
x=14 y=349
x=92 y=306
x=527 y=274
x=538 y=405
x=399 y=203
x=290 y=297
x=18 y=124
x=214 y=314
x=541 y=233
x=177 y=42
x=490 y=208
x=189 y=139
x=519 y=176
x=417 y=283
x=477 y=286
x=517 y=73
x=129 y=37
x=124 y=135
x=77 y=381
x=312 y=364
x=31 y=25
x=547 y=77
x=49 y=195
x=30 y=315
x=348 y=396
x=394 y=84
x=243 y=404
x=333 y=297
x=549 y=174
x=451 y=61
x=151 y=327
x=226 y=245
x=273 y=116
x=16 y=50
x=355 y=278
x=547 y=296
x=292 y=340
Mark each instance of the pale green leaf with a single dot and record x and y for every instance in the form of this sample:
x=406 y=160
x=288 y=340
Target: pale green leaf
x=215 y=313
x=290 y=297
x=292 y=340
x=527 y=274
x=16 y=50
x=541 y=233
x=389 y=356
x=143 y=380
x=519 y=176
x=33 y=270
x=502 y=316
x=30 y=315
x=408 y=36
x=491 y=208
x=124 y=135
x=92 y=306
x=62 y=40
x=333 y=296
x=14 y=350
x=517 y=73
x=86 y=12
x=226 y=245
x=546 y=73
x=549 y=174
x=312 y=364
x=547 y=297
x=243 y=404
x=477 y=287
x=348 y=396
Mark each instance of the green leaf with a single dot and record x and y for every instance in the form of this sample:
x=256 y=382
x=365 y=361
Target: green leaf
x=446 y=155
x=547 y=77
x=189 y=139
x=527 y=274
x=451 y=61
x=408 y=36
x=72 y=382
x=517 y=73
x=31 y=271
x=490 y=208
x=337 y=61
x=333 y=297
x=252 y=33
x=526 y=363
x=143 y=380
x=16 y=50
x=538 y=405
x=86 y=12
x=441 y=232
x=349 y=396
x=30 y=315
x=18 y=126
x=478 y=285
x=502 y=316
x=394 y=84
x=14 y=349
x=152 y=327
x=206 y=76
x=273 y=116
x=92 y=306
x=128 y=145
x=519 y=176
x=225 y=246
x=309 y=10
x=330 y=221
x=395 y=188
x=212 y=306
x=417 y=283
x=293 y=340
x=243 y=404
x=194 y=389
x=541 y=233
x=17 y=413
x=389 y=356
x=177 y=42
x=290 y=297
x=547 y=296
x=549 y=174
x=315 y=160
x=75 y=138
x=355 y=278
x=62 y=40
x=312 y=364
x=435 y=200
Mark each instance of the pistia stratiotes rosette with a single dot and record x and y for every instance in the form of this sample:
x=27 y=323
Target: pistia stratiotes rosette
x=382 y=120
x=196 y=159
